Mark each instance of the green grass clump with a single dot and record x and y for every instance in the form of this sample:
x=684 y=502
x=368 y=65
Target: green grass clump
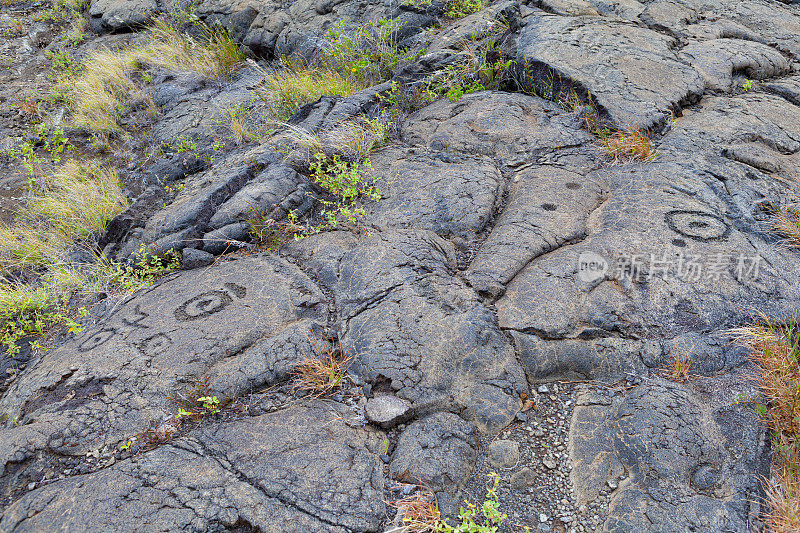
x=101 y=91
x=297 y=84
x=77 y=200
x=457 y=9
x=351 y=60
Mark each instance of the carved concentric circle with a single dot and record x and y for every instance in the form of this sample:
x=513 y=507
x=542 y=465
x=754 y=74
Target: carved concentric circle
x=97 y=338
x=697 y=225
x=203 y=305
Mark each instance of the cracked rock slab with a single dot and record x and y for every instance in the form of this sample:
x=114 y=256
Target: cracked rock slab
x=438 y=452
x=631 y=71
x=452 y=195
x=299 y=469
x=509 y=126
x=547 y=207
x=239 y=324
x=680 y=250
x=718 y=60
x=686 y=455
x=411 y=323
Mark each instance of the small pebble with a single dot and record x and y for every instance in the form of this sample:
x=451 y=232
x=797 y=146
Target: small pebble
x=542 y=518
x=31 y=486
x=543 y=389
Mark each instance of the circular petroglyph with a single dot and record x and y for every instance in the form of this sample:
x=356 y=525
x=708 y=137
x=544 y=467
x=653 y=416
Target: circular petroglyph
x=203 y=305
x=697 y=225
x=209 y=302
x=155 y=344
x=97 y=338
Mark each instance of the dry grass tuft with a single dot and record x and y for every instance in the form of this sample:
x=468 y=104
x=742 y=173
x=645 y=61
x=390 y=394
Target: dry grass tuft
x=775 y=349
x=79 y=199
x=101 y=92
x=420 y=512
x=102 y=88
x=322 y=374
x=632 y=145
x=30 y=107
x=238 y=122
x=296 y=84
x=680 y=367
x=216 y=56
x=787 y=223
x=352 y=140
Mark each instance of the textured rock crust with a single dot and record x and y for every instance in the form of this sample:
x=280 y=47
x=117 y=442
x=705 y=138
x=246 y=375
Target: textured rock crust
x=508 y=251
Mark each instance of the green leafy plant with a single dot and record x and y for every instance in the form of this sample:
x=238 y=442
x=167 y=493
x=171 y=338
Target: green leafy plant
x=456 y=9
x=27 y=312
x=421 y=514
x=185 y=144
x=210 y=404
x=348 y=183
x=142 y=273
x=418 y=4
x=367 y=53
x=351 y=60
x=484 y=519
x=747 y=85
x=480 y=65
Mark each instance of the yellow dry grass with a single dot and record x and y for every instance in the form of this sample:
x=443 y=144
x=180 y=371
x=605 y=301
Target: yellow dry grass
x=775 y=349
x=79 y=199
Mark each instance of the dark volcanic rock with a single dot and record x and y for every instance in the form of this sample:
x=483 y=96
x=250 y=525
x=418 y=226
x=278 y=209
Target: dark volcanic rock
x=689 y=455
x=632 y=72
x=241 y=325
x=437 y=451
x=303 y=466
x=509 y=258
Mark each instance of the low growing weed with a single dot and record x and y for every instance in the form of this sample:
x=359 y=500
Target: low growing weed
x=456 y=9
x=479 y=66
x=421 y=513
x=324 y=372
x=351 y=60
x=348 y=184
x=193 y=406
x=775 y=350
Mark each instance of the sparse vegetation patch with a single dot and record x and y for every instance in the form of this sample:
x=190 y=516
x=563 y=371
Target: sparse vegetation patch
x=775 y=350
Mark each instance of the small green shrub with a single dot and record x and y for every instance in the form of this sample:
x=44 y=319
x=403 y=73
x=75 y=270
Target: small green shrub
x=457 y=9
x=351 y=60
x=461 y=8
x=479 y=66
x=368 y=53
x=348 y=184
x=143 y=273
x=185 y=144
x=484 y=519
x=26 y=311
